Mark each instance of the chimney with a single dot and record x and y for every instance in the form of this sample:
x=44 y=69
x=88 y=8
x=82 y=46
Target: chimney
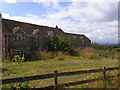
x=56 y=27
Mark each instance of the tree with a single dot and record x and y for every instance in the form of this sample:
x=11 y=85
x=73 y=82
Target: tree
x=60 y=44
x=53 y=44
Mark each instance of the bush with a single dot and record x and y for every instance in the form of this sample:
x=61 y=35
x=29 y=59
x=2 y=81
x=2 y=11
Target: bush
x=72 y=52
x=17 y=58
x=20 y=86
x=61 y=44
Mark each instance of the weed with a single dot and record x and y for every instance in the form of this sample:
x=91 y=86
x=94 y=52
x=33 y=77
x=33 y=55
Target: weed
x=42 y=55
x=17 y=58
x=17 y=86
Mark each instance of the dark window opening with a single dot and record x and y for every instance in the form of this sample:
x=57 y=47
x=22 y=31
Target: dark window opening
x=19 y=37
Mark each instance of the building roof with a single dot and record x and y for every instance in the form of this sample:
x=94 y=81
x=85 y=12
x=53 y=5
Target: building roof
x=9 y=25
x=79 y=35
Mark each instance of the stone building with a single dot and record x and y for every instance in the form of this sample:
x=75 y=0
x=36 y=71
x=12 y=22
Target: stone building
x=20 y=38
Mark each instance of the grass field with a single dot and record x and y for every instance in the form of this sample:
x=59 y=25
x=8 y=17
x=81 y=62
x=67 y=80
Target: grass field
x=67 y=63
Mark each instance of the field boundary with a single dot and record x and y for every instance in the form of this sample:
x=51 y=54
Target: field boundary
x=55 y=75
x=76 y=83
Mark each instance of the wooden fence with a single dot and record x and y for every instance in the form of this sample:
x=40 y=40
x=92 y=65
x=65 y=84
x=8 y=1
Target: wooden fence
x=55 y=75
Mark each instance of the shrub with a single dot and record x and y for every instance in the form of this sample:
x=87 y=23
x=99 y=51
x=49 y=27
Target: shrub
x=17 y=58
x=72 y=52
x=20 y=86
x=56 y=44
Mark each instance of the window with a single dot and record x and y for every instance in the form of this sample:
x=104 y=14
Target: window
x=18 y=52
x=23 y=37
x=15 y=37
x=19 y=37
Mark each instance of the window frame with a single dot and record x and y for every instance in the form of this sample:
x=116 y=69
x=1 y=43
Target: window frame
x=19 y=37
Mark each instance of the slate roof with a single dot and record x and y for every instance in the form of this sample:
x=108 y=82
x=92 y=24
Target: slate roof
x=9 y=25
x=80 y=35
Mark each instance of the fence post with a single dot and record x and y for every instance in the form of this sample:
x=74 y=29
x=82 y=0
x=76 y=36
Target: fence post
x=55 y=79
x=104 y=77
x=104 y=73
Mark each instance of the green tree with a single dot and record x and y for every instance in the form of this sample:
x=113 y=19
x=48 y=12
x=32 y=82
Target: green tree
x=60 y=44
x=53 y=44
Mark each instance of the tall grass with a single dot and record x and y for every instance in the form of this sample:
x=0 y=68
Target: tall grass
x=61 y=55
x=90 y=53
x=42 y=55
x=86 y=53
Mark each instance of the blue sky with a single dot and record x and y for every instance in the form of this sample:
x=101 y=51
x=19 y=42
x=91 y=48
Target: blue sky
x=97 y=20
x=22 y=8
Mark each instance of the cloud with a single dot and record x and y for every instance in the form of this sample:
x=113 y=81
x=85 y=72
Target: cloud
x=96 y=20
x=10 y=1
x=49 y=4
x=31 y=16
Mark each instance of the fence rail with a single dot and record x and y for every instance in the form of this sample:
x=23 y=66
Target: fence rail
x=55 y=75
x=75 y=83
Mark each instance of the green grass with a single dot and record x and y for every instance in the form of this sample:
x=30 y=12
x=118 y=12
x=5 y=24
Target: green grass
x=66 y=64
x=48 y=66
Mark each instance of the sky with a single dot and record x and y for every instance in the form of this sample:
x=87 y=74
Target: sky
x=97 y=19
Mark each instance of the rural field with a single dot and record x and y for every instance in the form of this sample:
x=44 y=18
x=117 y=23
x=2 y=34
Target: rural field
x=85 y=60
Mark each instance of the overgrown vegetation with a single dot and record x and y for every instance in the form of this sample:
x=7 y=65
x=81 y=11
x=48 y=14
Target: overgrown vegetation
x=17 y=58
x=18 y=86
x=94 y=54
x=61 y=48
x=113 y=47
x=111 y=83
x=64 y=61
x=61 y=44
x=42 y=55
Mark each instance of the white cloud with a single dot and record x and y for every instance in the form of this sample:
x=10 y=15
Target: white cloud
x=52 y=1
x=31 y=15
x=10 y=1
x=96 y=20
x=113 y=23
x=49 y=3
x=76 y=0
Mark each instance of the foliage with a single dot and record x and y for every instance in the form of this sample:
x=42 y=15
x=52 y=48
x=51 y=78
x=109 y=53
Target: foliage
x=42 y=55
x=17 y=58
x=69 y=63
x=98 y=46
x=93 y=54
x=116 y=49
x=60 y=55
x=60 y=44
x=72 y=52
x=20 y=86
x=53 y=44
x=105 y=47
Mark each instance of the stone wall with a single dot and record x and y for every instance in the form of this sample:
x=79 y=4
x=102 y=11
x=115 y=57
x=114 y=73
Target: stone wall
x=36 y=37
